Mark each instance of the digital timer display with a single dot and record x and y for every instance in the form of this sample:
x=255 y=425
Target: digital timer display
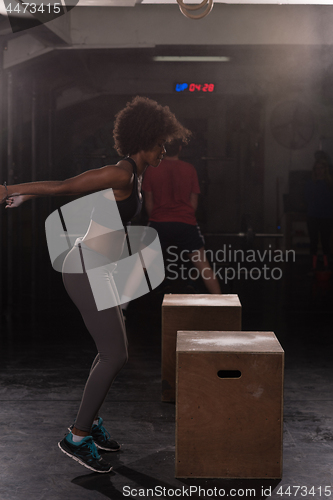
x=195 y=87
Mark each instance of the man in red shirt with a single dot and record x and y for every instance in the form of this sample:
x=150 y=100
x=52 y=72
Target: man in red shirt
x=171 y=199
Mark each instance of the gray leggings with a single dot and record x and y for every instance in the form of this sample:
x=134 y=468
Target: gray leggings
x=106 y=327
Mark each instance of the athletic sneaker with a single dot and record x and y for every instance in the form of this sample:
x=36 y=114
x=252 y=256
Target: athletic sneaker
x=101 y=437
x=84 y=452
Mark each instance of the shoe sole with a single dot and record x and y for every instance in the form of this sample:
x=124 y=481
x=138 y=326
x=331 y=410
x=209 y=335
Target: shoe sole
x=98 y=446
x=83 y=463
x=105 y=449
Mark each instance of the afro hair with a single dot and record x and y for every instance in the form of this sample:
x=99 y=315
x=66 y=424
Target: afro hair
x=142 y=123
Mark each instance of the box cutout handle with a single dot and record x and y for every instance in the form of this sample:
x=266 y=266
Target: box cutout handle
x=229 y=374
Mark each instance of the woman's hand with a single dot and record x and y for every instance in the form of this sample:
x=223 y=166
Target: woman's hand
x=15 y=201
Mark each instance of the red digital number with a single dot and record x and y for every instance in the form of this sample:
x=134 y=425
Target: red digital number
x=207 y=87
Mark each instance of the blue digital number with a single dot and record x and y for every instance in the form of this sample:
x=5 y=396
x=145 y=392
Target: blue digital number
x=180 y=87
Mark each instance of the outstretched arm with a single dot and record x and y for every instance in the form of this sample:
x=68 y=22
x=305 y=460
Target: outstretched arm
x=88 y=182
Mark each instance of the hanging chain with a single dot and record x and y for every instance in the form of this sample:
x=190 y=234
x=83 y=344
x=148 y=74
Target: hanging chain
x=185 y=9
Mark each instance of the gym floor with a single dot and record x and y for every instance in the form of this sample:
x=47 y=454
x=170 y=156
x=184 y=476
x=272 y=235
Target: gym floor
x=44 y=360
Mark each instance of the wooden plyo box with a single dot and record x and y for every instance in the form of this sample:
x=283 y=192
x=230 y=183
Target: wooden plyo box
x=193 y=312
x=229 y=405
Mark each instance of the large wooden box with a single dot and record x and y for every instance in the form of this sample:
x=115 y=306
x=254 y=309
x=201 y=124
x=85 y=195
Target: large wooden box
x=229 y=405
x=193 y=312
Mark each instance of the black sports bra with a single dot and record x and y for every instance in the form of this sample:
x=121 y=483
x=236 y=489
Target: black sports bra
x=128 y=208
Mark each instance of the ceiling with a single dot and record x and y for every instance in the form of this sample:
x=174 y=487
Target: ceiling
x=132 y=3
x=7 y=29
x=124 y=3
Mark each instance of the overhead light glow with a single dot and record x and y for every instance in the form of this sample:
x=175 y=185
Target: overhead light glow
x=191 y=58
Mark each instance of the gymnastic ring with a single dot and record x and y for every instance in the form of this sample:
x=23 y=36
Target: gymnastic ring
x=199 y=16
x=192 y=7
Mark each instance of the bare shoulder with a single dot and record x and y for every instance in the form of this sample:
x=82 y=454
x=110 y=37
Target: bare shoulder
x=121 y=175
x=125 y=165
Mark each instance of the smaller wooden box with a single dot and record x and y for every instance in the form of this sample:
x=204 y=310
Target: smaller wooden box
x=229 y=405
x=193 y=312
